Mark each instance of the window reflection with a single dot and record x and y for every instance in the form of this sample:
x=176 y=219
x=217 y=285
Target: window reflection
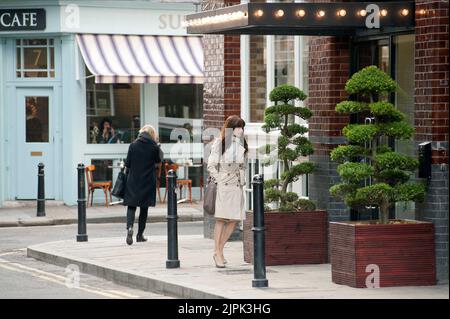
x=179 y=105
x=113 y=112
x=36 y=110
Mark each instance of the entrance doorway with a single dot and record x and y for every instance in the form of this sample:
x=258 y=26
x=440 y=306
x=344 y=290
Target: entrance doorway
x=35 y=141
x=394 y=54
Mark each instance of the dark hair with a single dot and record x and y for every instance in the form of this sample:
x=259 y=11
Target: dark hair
x=102 y=123
x=232 y=122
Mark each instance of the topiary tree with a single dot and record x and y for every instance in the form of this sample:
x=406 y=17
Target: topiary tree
x=366 y=157
x=291 y=145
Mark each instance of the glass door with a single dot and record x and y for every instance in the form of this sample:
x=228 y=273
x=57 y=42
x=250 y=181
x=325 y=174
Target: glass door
x=35 y=142
x=395 y=56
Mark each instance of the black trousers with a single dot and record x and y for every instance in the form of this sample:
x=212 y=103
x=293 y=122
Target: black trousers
x=131 y=215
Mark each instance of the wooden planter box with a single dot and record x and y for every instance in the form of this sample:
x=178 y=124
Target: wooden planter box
x=291 y=238
x=404 y=253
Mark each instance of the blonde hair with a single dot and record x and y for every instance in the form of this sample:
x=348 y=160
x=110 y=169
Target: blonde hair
x=150 y=130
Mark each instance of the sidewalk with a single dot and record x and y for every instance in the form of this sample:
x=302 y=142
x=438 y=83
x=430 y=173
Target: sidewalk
x=24 y=214
x=142 y=266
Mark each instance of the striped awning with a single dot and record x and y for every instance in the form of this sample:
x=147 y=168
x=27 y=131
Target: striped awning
x=142 y=58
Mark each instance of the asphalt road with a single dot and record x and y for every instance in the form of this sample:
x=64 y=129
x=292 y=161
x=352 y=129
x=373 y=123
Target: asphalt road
x=26 y=278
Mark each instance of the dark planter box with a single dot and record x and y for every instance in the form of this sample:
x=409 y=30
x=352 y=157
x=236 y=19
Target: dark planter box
x=404 y=253
x=291 y=238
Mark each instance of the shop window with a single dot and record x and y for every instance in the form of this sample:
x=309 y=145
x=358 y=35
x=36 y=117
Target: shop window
x=258 y=78
x=179 y=106
x=404 y=101
x=113 y=112
x=284 y=60
x=35 y=58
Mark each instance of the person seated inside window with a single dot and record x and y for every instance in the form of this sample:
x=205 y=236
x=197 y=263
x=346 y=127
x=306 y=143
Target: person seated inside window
x=107 y=132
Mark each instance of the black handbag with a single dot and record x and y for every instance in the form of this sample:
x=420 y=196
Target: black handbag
x=120 y=185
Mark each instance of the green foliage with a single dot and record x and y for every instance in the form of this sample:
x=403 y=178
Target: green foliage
x=393 y=160
x=373 y=194
x=286 y=93
x=339 y=190
x=272 y=120
x=385 y=172
x=360 y=133
x=409 y=192
x=370 y=80
x=305 y=205
x=292 y=174
x=289 y=197
x=386 y=112
x=392 y=176
x=291 y=145
x=272 y=195
x=351 y=107
x=288 y=109
x=344 y=153
x=271 y=183
x=354 y=172
x=304 y=148
x=383 y=149
x=294 y=129
x=399 y=130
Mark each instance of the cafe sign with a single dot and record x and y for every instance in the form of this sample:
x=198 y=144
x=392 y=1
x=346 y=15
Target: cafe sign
x=22 y=19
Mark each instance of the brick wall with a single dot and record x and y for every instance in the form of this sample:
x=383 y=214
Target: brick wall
x=328 y=72
x=431 y=76
x=222 y=69
x=258 y=78
x=431 y=116
x=222 y=86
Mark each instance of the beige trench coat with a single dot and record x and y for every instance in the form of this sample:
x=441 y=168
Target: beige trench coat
x=228 y=170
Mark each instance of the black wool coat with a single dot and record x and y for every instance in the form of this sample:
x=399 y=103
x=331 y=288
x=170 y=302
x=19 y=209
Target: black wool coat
x=143 y=156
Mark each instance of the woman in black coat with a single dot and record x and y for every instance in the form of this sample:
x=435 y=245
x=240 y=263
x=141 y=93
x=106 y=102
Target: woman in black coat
x=143 y=156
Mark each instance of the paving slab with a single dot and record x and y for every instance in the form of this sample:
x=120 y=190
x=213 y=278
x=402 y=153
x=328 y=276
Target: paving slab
x=142 y=265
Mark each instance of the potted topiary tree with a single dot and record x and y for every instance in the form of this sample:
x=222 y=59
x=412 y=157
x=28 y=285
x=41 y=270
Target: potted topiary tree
x=295 y=232
x=388 y=252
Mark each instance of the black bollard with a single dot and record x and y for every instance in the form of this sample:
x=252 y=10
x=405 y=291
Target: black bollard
x=172 y=219
x=82 y=235
x=259 y=245
x=41 y=191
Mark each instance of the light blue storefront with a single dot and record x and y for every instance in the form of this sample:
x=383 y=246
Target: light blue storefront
x=68 y=103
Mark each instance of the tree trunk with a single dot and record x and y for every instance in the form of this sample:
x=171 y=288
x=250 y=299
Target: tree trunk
x=384 y=213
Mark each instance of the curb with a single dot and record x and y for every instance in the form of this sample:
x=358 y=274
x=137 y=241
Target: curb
x=44 y=221
x=131 y=280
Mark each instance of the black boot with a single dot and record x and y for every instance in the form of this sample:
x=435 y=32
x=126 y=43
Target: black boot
x=140 y=238
x=130 y=236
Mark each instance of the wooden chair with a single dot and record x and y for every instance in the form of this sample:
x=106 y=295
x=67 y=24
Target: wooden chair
x=92 y=186
x=180 y=182
x=158 y=180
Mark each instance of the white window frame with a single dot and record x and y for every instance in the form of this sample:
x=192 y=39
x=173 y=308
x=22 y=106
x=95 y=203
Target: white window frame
x=96 y=108
x=252 y=128
x=47 y=47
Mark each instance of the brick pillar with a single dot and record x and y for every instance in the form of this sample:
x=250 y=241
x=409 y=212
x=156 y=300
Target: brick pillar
x=222 y=86
x=431 y=116
x=328 y=72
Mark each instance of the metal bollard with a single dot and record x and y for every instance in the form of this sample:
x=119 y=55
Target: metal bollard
x=41 y=191
x=172 y=219
x=259 y=245
x=82 y=235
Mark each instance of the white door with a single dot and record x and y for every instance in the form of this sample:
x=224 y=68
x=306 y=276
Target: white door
x=35 y=141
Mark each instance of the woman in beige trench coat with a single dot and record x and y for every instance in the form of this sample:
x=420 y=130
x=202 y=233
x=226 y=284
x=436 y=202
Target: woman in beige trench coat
x=226 y=166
